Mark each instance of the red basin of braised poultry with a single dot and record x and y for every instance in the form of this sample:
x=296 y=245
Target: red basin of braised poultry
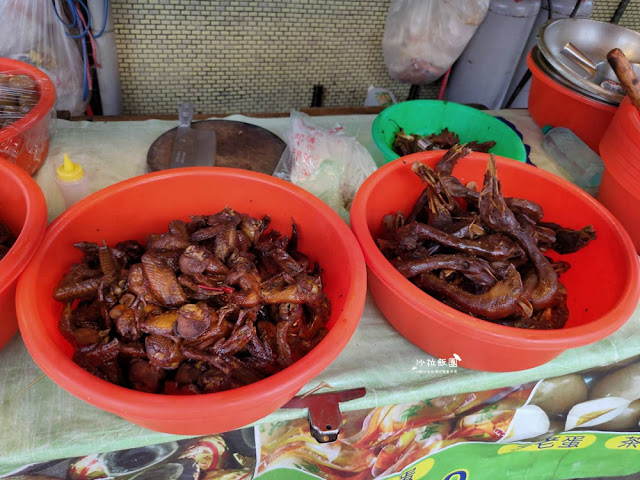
x=23 y=219
x=506 y=277
x=190 y=303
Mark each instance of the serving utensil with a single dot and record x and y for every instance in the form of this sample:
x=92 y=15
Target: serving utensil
x=601 y=74
x=626 y=75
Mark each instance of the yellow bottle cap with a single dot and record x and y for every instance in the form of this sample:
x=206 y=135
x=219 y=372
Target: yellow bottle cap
x=69 y=171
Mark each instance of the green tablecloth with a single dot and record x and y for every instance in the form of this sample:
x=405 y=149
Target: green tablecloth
x=44 y=422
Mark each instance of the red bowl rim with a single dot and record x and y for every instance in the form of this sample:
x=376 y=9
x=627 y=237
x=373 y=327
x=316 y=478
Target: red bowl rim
x=544 y=78
x=618 y=138
x=524 y=338
x=47 y=97
x=149 y=406
x=33 y=228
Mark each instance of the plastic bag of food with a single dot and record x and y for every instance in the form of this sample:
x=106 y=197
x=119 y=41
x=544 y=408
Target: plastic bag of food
x=422 y=39
x=326 y=162
x=31 y=32
x=27 y=118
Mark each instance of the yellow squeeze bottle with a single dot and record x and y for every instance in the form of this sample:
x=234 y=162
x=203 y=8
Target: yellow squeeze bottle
x=72 y=182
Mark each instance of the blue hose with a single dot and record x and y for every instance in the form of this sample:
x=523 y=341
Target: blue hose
x=84 y=33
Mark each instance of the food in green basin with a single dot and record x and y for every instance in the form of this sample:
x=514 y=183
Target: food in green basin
x=406 y=144
x=425 y=117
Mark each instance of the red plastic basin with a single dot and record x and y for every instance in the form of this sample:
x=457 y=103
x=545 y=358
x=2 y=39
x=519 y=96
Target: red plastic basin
x=622 y=201
x=24 y=210
x=620 y=151
x=26 y=142
x=134 y=208
x=603 y=284
x=553 y=104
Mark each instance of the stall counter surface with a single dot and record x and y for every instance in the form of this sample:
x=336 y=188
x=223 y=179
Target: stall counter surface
x=41 y=422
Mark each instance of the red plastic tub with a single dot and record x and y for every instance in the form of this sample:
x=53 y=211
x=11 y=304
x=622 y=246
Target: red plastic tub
x=597 y=307
x=26 y=142
x=23 y=209
x=134 y=208
x=620 y=151
x=623 y=201
x=553 y=104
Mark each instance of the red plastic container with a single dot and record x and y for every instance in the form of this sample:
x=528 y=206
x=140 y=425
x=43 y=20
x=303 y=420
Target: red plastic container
x=26 y=142
x=597 y=307
x=620 y=151
x=553 y=104
x=134 y=208
x=24 y=210
x=623 y=202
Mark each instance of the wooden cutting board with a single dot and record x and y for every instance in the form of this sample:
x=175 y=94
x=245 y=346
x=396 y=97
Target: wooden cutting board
x=238 y=145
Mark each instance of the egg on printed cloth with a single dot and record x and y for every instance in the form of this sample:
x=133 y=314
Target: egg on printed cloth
x=624 y=383
x=595 y=412
x=557 y=395
x=528 y=422
x=626 y=421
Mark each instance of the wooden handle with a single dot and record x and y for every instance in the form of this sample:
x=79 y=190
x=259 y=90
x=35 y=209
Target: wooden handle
x=626 y=75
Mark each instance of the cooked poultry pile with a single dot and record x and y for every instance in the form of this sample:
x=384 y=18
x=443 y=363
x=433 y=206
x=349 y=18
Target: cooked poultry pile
x=406 y=144
x=210 y=305
x=7 y=239
x=486 y=259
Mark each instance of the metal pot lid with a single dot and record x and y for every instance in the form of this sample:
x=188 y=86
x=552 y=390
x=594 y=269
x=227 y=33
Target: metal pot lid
x=549 y=71
x=595 y=39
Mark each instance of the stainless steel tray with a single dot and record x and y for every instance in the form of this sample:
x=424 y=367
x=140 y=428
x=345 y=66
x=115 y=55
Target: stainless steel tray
x=595 y=39
x=549 y=71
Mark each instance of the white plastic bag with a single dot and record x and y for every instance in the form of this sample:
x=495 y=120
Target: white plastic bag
x=31 y=32
x=326 y=162
x=422 y=38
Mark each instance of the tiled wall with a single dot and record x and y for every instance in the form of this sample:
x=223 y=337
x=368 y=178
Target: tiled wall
x=605 y=9
x=231 y=56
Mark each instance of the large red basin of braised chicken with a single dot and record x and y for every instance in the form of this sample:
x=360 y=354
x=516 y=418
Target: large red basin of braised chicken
x=135 y=208
x=602 y=283
x=23 y=218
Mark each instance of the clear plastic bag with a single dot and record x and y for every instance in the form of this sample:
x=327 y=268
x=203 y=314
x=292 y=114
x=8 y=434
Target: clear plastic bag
x=31 y=32
x=326 y=162
x=422 y=38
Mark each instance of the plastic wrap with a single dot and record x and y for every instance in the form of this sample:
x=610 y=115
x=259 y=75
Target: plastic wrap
x=577 y=425
x=31 y=32
x=326 y=162
x=422 y=39
x=27 y=117
x=572 y=426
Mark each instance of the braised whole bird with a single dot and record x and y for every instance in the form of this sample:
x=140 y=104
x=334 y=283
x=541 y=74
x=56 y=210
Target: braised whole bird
x=406 y=144
x=480 y=252
x=212 y=304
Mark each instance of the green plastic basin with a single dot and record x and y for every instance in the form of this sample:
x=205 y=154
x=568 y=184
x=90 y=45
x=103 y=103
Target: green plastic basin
x=424 y=117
